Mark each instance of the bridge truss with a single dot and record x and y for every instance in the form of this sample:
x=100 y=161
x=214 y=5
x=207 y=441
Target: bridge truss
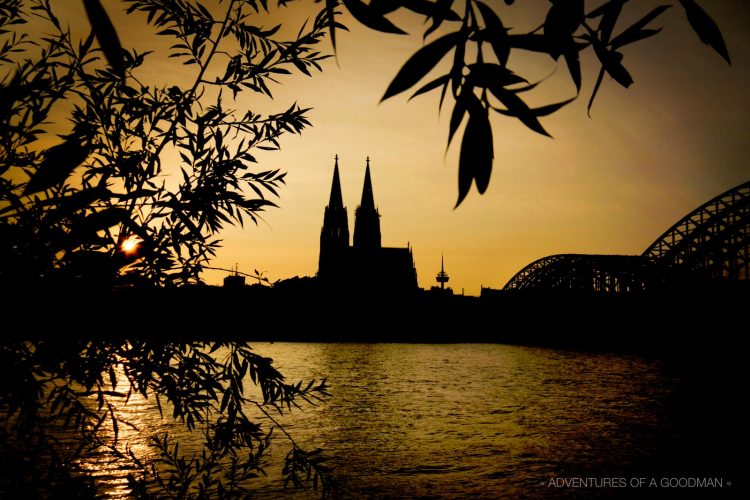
x=580 y=272
x=712 y=241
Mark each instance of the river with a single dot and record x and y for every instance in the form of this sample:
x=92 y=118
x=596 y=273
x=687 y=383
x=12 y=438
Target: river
x=483 y=421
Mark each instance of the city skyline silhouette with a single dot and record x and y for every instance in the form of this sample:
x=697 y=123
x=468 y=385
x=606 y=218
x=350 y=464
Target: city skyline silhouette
x=604 y=185
x=608 y=184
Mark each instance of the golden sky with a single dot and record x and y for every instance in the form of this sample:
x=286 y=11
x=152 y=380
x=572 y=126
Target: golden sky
x=611 y=183
x=607 y=184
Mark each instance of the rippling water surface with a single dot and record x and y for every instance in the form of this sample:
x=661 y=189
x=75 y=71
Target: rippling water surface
x=469 y=419
x=474 y=419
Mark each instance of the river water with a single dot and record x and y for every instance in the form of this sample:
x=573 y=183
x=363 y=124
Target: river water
x=478 y=420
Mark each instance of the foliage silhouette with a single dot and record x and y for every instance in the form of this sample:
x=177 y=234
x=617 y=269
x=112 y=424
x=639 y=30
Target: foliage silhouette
x=78 y=387
x=68 y=206
x=108 y=175
x=480 y=79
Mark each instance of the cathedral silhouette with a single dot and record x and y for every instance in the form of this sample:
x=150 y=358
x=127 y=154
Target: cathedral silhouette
x=366 y=265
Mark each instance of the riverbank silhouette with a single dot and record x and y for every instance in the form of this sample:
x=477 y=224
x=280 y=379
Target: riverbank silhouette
x=301 y=309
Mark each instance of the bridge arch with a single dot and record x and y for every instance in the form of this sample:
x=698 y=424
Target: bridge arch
x=713 y=239
x=582 y=272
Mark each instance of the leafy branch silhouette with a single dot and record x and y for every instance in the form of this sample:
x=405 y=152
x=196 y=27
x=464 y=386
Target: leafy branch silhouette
x=480 y=80
x=80 y=387
x=104 y=208
x=69 y=207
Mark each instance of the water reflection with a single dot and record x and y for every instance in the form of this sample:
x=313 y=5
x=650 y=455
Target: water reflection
x=138 y=419
x=456 y=420
x=476 y=419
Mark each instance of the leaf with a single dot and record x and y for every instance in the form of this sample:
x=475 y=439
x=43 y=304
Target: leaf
x=610 y=12
x=560 y=24
x=598 y=83
x=138 y=193
x=371 y=17
x=457 y=68
x=574 y=67
x=115 y=428
x=517 y=108
x=457 y=116
x=705 y=28
x=106 y=34
x=617 y=71
x=331 y=12
x=442 y=97
x=636 y=27
x=477 y=151
x=85 y=46
x=224 y=401
x=59 y=161
x=612 y=62
x=603 y=8
x=498 y=36
x=421 y=63
x=207 y=15
x=543 y=110
x=442 y=80
x=487 y=74
x=633 y=37
x=437 y=21
x=112 y=377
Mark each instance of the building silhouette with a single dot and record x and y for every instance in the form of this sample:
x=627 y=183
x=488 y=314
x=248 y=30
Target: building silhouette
x=234 y=280
x=366 y=265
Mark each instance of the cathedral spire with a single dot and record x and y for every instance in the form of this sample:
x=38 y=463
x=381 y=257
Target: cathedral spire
x=368 y=199
x=334 y=236
x=336 y=200
x=367 y=218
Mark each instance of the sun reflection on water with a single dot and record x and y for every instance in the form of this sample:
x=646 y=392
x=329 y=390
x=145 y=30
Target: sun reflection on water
x=138 y=420
x=449 y=420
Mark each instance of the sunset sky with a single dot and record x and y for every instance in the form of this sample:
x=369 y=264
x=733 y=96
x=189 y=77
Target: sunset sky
x=611 y=183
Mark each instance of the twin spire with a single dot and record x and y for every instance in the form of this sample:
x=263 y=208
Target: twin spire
x=337 y=201
x=367 y=218
x=365 y=266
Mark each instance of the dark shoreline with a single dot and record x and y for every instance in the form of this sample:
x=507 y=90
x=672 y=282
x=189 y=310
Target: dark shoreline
x=667 y=322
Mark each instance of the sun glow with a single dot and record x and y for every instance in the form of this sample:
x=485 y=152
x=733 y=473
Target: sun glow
x=131 y=244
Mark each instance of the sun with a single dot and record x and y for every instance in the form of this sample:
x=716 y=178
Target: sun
x=130 y=244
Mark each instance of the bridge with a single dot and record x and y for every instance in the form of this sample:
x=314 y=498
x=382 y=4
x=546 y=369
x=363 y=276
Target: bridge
x=711 y=242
